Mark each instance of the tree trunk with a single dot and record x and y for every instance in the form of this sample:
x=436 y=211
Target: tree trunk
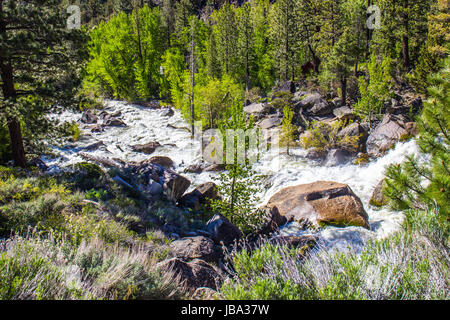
x=9 y=92
x=405 y=39
x=344 y=90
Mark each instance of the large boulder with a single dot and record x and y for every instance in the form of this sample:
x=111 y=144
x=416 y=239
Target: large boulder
x=270 y=122
x=322 y=202
x=112 y=121
x=391 y=130
x=223 y=230
x=357 y=134
x=192 y=275
x=256 y=109
x=174 y=185
x=272 y=220
x=147 y=148
x=200 y=196
x=315 y=105
x=194 y=248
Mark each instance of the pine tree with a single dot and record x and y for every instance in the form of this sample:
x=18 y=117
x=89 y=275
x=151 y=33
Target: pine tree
x=425 y=184
x=403 y=29
x=226 y=38
x=37 y=53
x=285 y=37
x=245 y=41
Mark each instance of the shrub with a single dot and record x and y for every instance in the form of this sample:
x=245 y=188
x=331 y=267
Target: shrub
x=411 y=264
x=324 y=137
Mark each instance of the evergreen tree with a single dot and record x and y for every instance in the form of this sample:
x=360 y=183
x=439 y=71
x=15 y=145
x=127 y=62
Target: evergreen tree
x=226 y=37
x=39 y=57
x=245 y=41
x=285 y=37
x=403 y=29
x=424 y=184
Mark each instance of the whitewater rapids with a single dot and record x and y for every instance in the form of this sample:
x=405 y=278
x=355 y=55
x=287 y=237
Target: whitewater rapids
x=172 y=132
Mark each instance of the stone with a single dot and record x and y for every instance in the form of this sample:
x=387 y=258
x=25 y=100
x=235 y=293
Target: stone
x=166 y=162
x=316 y=154
x=200 y=196
x=111 y=121
x=337 y=157
x=88 y=117
x=314 y=104
x=256 y=109
x=147 y=148
x=344 y=113
x=319 y=203
x=222 y=230
x=174 y=185
x=358 y=133
x=305 y=242
x=192 y=275
x=378 y=199
x=269 y=123
x=390 y=131
x=194 y=248
x=273 y=220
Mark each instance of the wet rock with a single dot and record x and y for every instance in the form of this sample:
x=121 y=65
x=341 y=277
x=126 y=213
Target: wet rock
x=94 y=146
x=378 y=199
x=155 y=189
x=202 y=195
x=214 y=167
x=166 y=162
x=194 y=248
x=390 y=131
x=320 y=203
x=316 y=154
x=96 y=128
x=195 y=168
x=147 y=148
x=37 y=162
x=223 y=230
x=167 y=112
x=88 y=117
x=110 y=121
x=192 y=275
x=337 y=157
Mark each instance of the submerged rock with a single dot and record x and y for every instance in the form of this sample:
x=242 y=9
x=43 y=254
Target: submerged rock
x=321 y=202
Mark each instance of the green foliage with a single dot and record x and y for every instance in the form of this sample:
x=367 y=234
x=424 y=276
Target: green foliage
x=376 y=91
x=324 y=137
x=126 y=54
x=420 y=183
x=42 y=268
x=287 y=128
